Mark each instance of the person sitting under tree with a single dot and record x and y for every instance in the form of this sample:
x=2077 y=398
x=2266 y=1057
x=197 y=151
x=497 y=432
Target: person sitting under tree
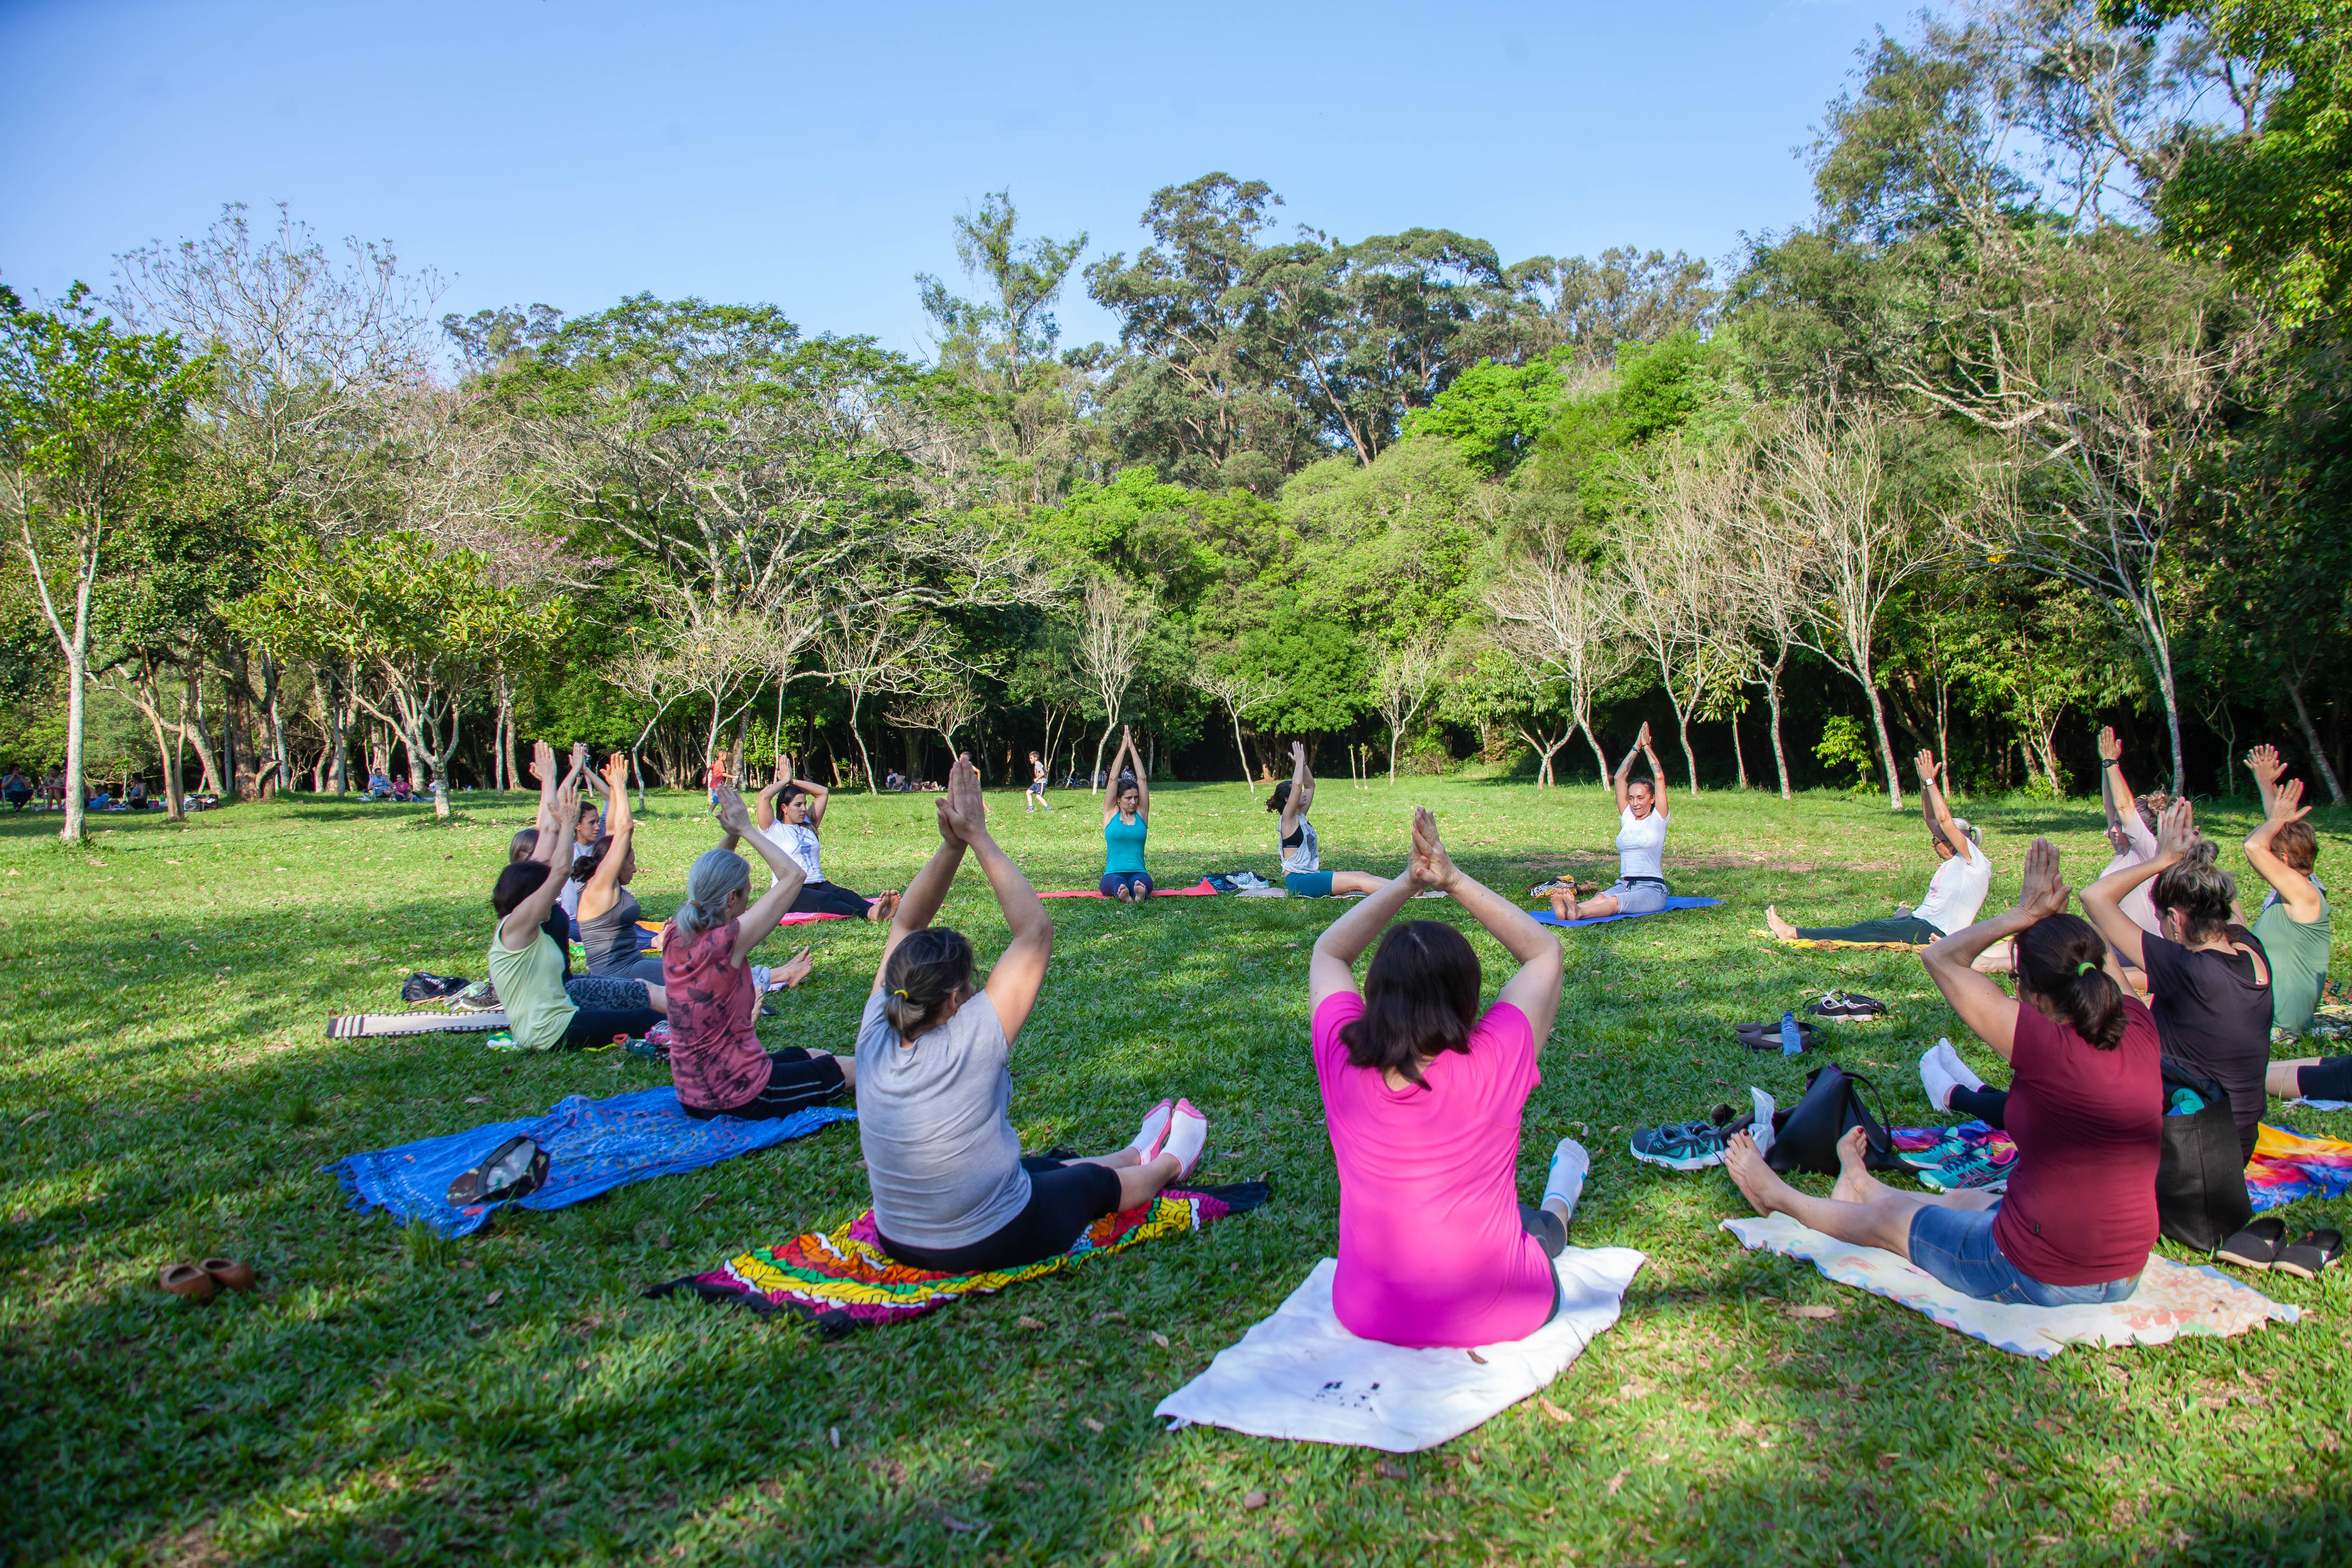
x=1127 y=822
x=1954 y=893
x=1641 y=886
x=1302 y=865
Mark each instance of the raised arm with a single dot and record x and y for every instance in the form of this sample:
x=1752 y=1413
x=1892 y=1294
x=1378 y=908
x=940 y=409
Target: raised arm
x=819 y=797
x=1657 y=773
x=2176 y=830
x=2121 y=803
x=619 y=827
x=1302 y=788
x=2301 y=900
x=520 y=928
x=763 y=810
x=1625 y=768
x=1938 y=814
x=543 y=768
x=1988 y=1010
x=762 y=917
x=1534 y=989
x=1110 y=781
x=1142 y=779
x=2263 y=763
x=1019 y=973
x=1331 y=968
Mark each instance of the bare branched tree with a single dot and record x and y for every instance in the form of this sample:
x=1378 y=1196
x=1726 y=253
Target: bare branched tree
x=1401 y=683
x=1238 y=692
x=1672 y=564
x=1113 y=618
x=1828 y=479
x=1557 y=622
x=872 y=645
x=946 y=705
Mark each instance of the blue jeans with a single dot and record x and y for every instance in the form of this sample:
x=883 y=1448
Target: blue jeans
x=1956 y=1246
x=1140 y=882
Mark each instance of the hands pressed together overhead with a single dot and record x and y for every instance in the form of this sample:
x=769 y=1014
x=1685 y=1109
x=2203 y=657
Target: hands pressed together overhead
x=1431 y=866
x=963 y=815
x=2044 y=892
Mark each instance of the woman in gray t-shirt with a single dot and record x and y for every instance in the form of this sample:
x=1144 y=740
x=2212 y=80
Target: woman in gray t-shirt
x=951 y=1191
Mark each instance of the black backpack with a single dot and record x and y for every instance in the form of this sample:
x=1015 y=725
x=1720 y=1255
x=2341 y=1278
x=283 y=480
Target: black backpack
x=1805 y=1136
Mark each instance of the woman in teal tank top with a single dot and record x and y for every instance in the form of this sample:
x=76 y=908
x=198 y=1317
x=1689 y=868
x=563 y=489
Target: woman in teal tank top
x=1127 y=822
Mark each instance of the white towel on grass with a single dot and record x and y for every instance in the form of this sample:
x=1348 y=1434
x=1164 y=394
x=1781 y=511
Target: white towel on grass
x=1299 y=1375
x=2171 y=1300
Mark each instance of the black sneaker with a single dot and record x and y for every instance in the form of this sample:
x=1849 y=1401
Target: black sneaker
x=1848 y=1006
x=481 y=997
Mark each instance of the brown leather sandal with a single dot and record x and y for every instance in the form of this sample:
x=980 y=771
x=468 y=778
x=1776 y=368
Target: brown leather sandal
x=187 y=1280
x=228 y=1273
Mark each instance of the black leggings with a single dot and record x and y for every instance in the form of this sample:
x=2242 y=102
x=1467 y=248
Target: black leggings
x=796 y=1080
x=2329 y=1078
x=1990 y=1106
x=830 y=899
x=1063 y=1201
x=1549 y=1230
x=1895 y=928
x=607 y=1006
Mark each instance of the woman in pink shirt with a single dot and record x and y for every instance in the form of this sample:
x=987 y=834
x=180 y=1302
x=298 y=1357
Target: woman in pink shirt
x=1423 y=1094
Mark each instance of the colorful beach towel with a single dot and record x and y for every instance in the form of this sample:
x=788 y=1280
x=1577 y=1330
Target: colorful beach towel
x=841 y=1280
x=1945 y=1158
x=592 y=1146
x=2288 y=1167
x=379 y=1026
x=1675 y=902
x=1199 y=890
x=2171 y=1300
x=1300 y=1374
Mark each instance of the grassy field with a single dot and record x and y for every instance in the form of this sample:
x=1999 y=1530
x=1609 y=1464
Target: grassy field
x=385 y=1394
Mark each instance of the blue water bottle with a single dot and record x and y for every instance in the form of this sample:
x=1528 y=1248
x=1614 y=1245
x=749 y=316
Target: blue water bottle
x=1791 y=1044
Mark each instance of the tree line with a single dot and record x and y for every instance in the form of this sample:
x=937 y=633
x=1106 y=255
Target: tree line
x=2038 y=415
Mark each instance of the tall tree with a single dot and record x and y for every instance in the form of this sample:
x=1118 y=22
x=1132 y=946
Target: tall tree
x=92 y=424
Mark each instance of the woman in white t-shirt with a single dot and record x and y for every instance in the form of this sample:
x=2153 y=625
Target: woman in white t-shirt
x=1641 y=886
x=790 y=813
x=1954 y=893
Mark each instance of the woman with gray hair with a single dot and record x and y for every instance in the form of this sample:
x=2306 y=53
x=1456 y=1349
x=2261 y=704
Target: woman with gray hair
x=714 y=991
x=1954 y=893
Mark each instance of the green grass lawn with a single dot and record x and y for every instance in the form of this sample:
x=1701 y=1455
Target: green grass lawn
x=388 y=1395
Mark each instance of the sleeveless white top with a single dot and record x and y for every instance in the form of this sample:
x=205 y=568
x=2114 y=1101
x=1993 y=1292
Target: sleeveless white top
x=1642 y=844
x=1301 y=858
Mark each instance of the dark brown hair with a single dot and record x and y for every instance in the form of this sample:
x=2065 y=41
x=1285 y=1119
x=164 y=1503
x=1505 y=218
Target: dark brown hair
x=1280 y=797
x=2297 y=845
x=585 y=866
x=927 y=971
x=517 y=882
x=1421 y=997
x=2062 y=960
x=2199 y=889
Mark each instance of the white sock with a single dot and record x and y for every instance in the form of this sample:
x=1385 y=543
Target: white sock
x=1188 y=1135
x=1569 y=1166
x=1155 y=1126
x=1957 y=1067
x=1941 y=1071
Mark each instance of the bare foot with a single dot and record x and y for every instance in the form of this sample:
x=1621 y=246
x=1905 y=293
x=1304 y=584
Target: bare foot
x=1781 y=928
x=1855 y=1184
x=795 y=969
x=1563 y=906
x=883 y=907
x=1758 y=1183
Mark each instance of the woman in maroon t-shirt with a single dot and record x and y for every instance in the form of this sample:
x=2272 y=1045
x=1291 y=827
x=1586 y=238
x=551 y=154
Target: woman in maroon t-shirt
x=2086 y=1112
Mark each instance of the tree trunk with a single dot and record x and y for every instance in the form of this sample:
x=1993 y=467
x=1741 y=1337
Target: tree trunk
x=1779 y=752
x=1738 y=754
x=1095 y=786
x=864 y=761
x=1885 y=745
x=1599 y=757
x=2311 y=740
x=151 y=700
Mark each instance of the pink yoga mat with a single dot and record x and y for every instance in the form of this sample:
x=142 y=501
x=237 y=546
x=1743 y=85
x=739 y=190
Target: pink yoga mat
x=1203 y=891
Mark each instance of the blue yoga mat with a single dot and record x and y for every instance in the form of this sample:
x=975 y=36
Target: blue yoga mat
x=1675 y=901
x=592 y=1146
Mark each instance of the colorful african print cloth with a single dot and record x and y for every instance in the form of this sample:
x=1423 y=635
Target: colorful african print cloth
x=2288 y=1167
x=1944 y=1159
x=1830 y=942
x=842 y=1278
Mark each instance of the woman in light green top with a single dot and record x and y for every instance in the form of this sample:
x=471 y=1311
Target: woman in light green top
x=543 y=1010
x=2294 y=924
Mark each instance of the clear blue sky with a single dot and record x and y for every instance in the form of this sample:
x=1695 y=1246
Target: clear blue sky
x=811 y=156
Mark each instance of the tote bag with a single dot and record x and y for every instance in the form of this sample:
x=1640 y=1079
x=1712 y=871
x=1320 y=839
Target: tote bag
x=2201 y=1183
